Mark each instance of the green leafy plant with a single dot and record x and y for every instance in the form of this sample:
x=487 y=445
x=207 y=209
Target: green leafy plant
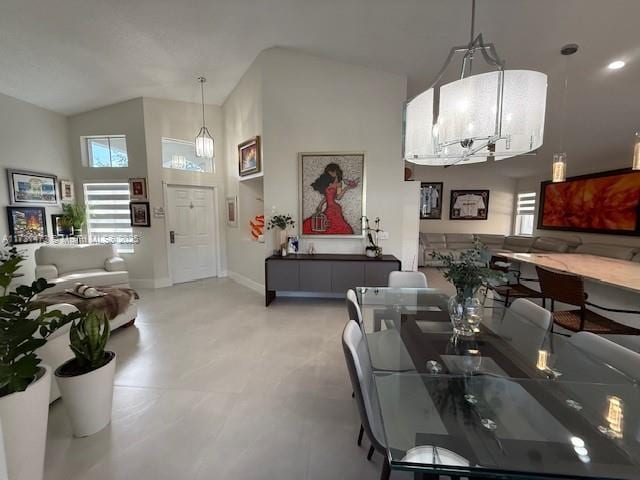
x=21 y=320
x=88 y=337
x=281 y=221
x=469 y=271
x=76 y=213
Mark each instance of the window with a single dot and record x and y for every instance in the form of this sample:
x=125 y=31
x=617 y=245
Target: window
x=525 y=211
x=106 y=151
x=181 y=155
x=108 y=217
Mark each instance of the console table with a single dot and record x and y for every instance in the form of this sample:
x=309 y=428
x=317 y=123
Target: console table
x=325 y=273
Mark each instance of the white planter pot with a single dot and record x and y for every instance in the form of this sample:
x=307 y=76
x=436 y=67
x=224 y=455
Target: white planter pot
x=88 y=398
x=24 y=427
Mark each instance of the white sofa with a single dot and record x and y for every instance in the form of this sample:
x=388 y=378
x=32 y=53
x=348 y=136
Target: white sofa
x=96 y=265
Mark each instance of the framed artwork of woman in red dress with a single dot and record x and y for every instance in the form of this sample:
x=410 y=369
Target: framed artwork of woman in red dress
x=331 y=194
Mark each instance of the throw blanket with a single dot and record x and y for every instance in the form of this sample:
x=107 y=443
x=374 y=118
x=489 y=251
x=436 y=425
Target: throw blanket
x=115 y=302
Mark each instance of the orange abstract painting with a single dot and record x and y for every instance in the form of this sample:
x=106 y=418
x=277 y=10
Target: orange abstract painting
x=606 y=203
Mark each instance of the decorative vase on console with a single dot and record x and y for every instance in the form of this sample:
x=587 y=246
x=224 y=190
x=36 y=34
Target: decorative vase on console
x=468 y=273
x=282 y=223
x=373 y=248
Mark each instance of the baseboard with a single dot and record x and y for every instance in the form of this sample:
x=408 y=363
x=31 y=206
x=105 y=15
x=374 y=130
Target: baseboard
x=311 y=294
x=246 y=281
x=150 y=282
x=162 y=282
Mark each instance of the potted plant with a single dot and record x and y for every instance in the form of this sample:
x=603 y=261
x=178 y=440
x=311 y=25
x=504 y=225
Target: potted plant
x=467 y=273
x=373 y=248
x=86 y=381
x=65 y=226
x=24 y=382
x=281 y=222
x=76 y=214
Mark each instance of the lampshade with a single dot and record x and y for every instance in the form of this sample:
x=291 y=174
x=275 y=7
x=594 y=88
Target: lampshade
x=559 y=172
x=498 y=114
x=636 y=153
x=204 y=143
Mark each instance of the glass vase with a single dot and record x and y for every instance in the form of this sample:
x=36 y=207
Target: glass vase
x=465 y=313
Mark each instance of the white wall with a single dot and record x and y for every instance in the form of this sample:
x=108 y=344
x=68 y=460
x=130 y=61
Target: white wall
x=471 y=177
x=32 y=138
x=313 y=104
x=243 y=120
x=181 y=121
x=124 y=118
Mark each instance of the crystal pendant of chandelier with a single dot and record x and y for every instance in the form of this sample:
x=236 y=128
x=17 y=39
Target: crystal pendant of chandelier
x=498 y=114
x=204 y=140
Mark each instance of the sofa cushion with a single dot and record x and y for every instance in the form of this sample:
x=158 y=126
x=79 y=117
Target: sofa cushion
x=603 y=250
x=460 y=241
x=491 y=241
x=516 y=243
x=71 y=258
x=97 y=278
x=434 y=240
x=549 y=244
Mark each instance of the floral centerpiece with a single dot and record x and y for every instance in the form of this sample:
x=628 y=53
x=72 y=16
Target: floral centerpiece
x=468 y=273
x=283 y=223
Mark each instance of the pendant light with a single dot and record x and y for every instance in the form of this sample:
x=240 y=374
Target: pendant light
x=204 y=140
x=499 y=114
x=636 y=153
x=559 y=169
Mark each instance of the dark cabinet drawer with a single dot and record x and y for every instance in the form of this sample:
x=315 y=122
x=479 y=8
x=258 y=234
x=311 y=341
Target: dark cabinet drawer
x=377 y=273
x=315 y=276
x=346 y=275
x=283 y=275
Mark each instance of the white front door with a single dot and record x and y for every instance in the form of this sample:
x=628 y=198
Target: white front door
x=192 y=227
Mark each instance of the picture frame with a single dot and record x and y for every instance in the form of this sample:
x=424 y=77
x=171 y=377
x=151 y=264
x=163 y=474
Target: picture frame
x=32 y=188
x=469 y=205
x=140 y=214
x=431 y=199
x=138 y=188
x=249 y=157
x=56 y=228
x=67 y=191
x=293 y=244
x=26 y=224
x=231 y=211
x=605 y=202
x=332 y=190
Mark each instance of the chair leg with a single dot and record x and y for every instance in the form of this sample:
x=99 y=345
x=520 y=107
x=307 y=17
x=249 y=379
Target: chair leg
x=360 y=435
x=353 y=394
x=506 y=299
x=386 y=469
x=370 y=454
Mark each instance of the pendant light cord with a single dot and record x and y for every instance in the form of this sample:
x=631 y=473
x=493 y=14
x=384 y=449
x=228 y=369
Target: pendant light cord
x=202 y=80
x=564 y=104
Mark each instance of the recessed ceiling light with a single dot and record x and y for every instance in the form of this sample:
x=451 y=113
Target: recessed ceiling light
x=618 y=64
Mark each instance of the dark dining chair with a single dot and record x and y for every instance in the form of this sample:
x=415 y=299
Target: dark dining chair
x=568 y=288
x=512 y=289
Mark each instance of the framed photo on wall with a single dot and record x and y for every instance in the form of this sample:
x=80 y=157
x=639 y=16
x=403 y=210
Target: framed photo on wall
x=32 y=188
x=469 y=205
x=431 y=200
x=67 y=194
x=140 y=216
x=249 y=157
x=138 y=188
x=332 y=201
x=58 y=225
x=27 y=224
x=232 y=211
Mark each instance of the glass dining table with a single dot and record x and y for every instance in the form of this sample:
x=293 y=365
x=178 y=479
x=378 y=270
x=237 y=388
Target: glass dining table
x=513 y=401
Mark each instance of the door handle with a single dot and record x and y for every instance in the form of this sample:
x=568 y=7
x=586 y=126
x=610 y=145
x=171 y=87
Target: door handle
x=172 y=236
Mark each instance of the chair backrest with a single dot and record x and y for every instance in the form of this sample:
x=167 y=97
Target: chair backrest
x=353 y=309
x=562 y=287
x=615 y=356
x=526 y=326
x=407 y=280
x=361 y=376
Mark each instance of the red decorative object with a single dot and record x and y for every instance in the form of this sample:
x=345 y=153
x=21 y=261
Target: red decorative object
x=319 y=222
x=606 y=202
x=257 y=226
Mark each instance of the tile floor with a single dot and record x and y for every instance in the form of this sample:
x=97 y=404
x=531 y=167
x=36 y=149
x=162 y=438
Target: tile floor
x=213 y=385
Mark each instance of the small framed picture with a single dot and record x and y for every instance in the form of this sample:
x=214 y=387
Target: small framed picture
x=138 y=188
x=431 y=200
x=293 y=244
x=469 y=205
x=249 y=157
x=140 y=216
x=58 y=225
x=27 y=224
x=32 y=188
x=67 y=194
x=232 y=211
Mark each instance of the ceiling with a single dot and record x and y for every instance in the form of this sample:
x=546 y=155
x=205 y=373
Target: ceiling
x=75 y=55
